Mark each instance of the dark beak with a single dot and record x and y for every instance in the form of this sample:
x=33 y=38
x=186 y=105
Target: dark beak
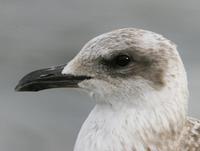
x=49 y=78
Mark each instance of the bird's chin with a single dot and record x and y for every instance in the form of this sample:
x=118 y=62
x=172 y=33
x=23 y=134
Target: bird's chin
x=87 y=85
x=97 y=89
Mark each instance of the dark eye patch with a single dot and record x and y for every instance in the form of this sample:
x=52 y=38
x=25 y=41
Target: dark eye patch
x=124 y=63
x=118 y=61
x=133 y=63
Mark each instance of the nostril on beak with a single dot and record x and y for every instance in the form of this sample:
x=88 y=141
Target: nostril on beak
x=46 y=75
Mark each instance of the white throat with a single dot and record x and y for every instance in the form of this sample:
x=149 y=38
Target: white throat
x=120 y=126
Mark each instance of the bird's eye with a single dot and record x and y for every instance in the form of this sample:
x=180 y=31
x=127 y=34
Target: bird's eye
x=122 y=60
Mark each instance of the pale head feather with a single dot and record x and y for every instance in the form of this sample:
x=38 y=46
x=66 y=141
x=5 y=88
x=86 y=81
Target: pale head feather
x=133 y=103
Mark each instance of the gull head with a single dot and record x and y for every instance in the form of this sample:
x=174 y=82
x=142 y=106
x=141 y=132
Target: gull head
x=123 y=65
x=127 y=64
x=138 y=82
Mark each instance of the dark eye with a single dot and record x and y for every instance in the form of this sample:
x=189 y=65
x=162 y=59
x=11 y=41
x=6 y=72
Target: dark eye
x=122 y=60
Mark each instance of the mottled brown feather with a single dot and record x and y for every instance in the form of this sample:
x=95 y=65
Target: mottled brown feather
x=190 y=140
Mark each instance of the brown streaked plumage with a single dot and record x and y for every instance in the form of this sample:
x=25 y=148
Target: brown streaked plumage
x=190 y=139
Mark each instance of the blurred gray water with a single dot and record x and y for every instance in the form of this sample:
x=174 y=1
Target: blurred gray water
x=41 y=33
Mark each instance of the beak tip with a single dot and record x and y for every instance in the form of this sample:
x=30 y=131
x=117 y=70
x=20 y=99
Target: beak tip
x=21 y=87
x=17 y=89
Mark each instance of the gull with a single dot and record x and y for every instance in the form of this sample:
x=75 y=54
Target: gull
x=139 y=84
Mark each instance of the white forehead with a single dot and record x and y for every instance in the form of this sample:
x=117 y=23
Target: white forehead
x=123 y=39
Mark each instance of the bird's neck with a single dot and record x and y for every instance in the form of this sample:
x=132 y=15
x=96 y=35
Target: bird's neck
x=121 y=127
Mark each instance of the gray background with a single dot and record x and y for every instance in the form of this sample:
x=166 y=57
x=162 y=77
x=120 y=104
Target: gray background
x=41 y=33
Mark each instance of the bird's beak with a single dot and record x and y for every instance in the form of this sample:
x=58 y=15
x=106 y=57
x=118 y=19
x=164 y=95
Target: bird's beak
x=49 y=78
